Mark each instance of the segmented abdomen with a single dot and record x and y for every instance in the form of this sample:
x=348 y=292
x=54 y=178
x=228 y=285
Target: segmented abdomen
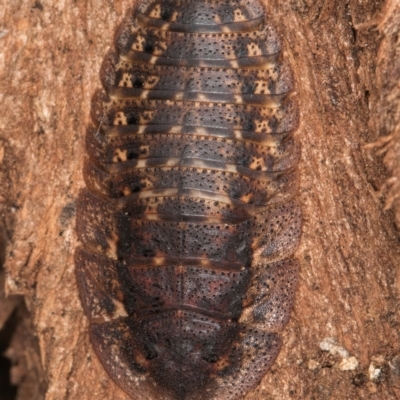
x=188 y=222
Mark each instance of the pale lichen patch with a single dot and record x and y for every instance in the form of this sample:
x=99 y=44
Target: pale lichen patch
x=348 y=363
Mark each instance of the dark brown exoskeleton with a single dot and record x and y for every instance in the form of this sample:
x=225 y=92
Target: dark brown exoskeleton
x=188 y=221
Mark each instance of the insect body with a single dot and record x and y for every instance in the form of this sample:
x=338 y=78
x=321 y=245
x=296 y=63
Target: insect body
x=188 y=221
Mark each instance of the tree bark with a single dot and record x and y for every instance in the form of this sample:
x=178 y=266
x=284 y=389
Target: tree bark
x=345 y=55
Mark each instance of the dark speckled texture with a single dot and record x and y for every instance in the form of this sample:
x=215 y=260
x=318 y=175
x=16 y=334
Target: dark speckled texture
x=189 y=219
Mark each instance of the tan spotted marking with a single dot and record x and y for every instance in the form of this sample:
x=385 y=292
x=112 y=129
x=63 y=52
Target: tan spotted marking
x=126 y=80
x=190 y=192
x=258 y=163
x=261 y=87
x=156 y=12
x=120 y=119
x=265 y=140
x=160 y=48
x=120 y=155
x=238 y=15
x=151 y=81
x=138 y=45
x=253 y=49
x=261 y=126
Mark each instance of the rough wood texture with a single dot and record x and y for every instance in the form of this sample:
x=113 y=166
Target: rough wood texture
x=344 y=56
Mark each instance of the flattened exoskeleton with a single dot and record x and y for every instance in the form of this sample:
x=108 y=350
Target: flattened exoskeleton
x=189 y=221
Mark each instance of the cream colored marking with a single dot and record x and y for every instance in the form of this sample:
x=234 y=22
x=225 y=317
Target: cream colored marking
x=159 y=261
x=144 y=94
x=247 y=315
x=273 y=103
x=194 y=163
x=217 y=19
x=112 y=244
x=120 y=119
x=141 y=164
x=261 y=87
x=165 y=27
x=238 y=15
x=237 y=134
x=126 y=191
x=120 y=155
x=201 y=131
x=274 y=74
x=156 y=12
x=139 y=43
x=264 y=140
x=202 y=164
x=246 y=198
x=212 y=196
x=205 y=263
x=179 y=95
x=262 y=126
x=253 y=49
x=175 y=16
x=120 y=310
x=126 y=80
x=226 y=29
x=267 y=112
x=151 y=81
x=234 y=64
x=153 y=60
x=258 y=162
x=238 y=99
x=201 y=97
x=176 y=129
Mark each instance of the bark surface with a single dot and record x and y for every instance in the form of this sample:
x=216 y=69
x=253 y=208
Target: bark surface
x=343 y=340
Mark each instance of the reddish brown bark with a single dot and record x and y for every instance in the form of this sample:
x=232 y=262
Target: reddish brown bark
x=345 y=55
